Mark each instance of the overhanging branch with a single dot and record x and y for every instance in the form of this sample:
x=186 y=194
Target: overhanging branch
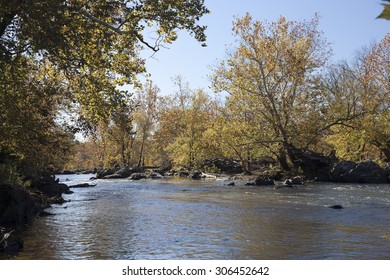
x=118 y=30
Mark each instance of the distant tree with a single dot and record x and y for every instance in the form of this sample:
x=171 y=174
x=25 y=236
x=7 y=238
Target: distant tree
x=145 y=118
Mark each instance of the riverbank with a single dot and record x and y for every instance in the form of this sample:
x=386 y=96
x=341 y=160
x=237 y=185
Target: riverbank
x=18 y=205
x=367 y=172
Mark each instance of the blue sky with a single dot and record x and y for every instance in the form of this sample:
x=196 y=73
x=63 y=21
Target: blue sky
x=348 y=26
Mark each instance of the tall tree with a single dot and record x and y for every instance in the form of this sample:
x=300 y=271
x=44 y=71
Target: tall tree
x=273 y=73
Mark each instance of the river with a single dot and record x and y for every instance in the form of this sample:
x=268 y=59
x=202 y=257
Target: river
x=183 y=219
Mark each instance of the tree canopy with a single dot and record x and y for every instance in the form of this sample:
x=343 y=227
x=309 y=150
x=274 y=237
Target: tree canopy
x=68 y=59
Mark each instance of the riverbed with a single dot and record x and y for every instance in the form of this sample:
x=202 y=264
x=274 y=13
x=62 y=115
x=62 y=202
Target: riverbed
x=206 y=219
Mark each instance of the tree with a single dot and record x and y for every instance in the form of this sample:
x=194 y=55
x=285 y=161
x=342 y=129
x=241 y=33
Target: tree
x=32 y=143
x=273 y=75
x=183 y=120
x=90 y=48
x=362 y=89
x=145 y=117
x=386 y=10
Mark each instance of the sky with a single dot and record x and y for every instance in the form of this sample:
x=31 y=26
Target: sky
x=348 y=26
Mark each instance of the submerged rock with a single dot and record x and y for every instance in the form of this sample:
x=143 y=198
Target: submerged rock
x=83 y=185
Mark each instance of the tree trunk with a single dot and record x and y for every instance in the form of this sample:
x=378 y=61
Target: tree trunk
x=282 y=158
x=141 y=152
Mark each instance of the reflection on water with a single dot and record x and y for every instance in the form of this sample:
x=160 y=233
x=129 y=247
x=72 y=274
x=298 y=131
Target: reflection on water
x=170 y=219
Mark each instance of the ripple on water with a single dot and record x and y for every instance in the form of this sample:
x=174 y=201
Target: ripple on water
x=120 y=219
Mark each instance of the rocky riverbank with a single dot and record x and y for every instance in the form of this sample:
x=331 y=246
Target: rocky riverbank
x=18 y=205
x=367 y=172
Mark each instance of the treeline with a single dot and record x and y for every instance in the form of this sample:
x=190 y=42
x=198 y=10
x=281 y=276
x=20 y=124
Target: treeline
x=64 y=64
x=280 y=94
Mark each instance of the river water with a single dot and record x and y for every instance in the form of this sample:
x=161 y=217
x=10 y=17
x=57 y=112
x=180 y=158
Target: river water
x=182 y=219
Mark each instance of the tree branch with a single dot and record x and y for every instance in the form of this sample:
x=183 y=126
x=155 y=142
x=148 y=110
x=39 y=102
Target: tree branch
x=118 y=30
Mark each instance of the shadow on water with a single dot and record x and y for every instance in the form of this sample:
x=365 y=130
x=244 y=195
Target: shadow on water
x=168 y=219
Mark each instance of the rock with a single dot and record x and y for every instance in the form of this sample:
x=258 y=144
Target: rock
x=200 y=175
x=137 y=176
x=57 y=200
x=298 y=180
x=52 y=188
x=195 y=175
x=250 y=184
x=45 y=214
x=232 y=184
x=361 y=172
x=182 y=174
x=284 y=187
x=155 y=175
x=10 y=242
x=312 y=164
x=208 y=176
x=83 y=185
x=264 y=181
x=105 y=172
x=18 y=205
x=337 y=206
x=222 y=165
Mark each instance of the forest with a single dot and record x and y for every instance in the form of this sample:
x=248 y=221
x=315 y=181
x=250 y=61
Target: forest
x=65 y=64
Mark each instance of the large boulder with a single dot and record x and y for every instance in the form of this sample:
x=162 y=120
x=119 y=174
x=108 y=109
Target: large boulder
x=105 y=172
x=52 y=188
x=264 y=181
x=359 y=172
x=123 y=173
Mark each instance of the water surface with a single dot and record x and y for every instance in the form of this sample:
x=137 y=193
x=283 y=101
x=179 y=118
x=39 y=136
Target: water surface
x=182 y=219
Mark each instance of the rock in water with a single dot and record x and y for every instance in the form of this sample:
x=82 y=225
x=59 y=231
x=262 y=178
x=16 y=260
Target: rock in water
x=137 y=176
x=264 y=181
x=298 y=180
x=195 y=175
x=337 y=206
